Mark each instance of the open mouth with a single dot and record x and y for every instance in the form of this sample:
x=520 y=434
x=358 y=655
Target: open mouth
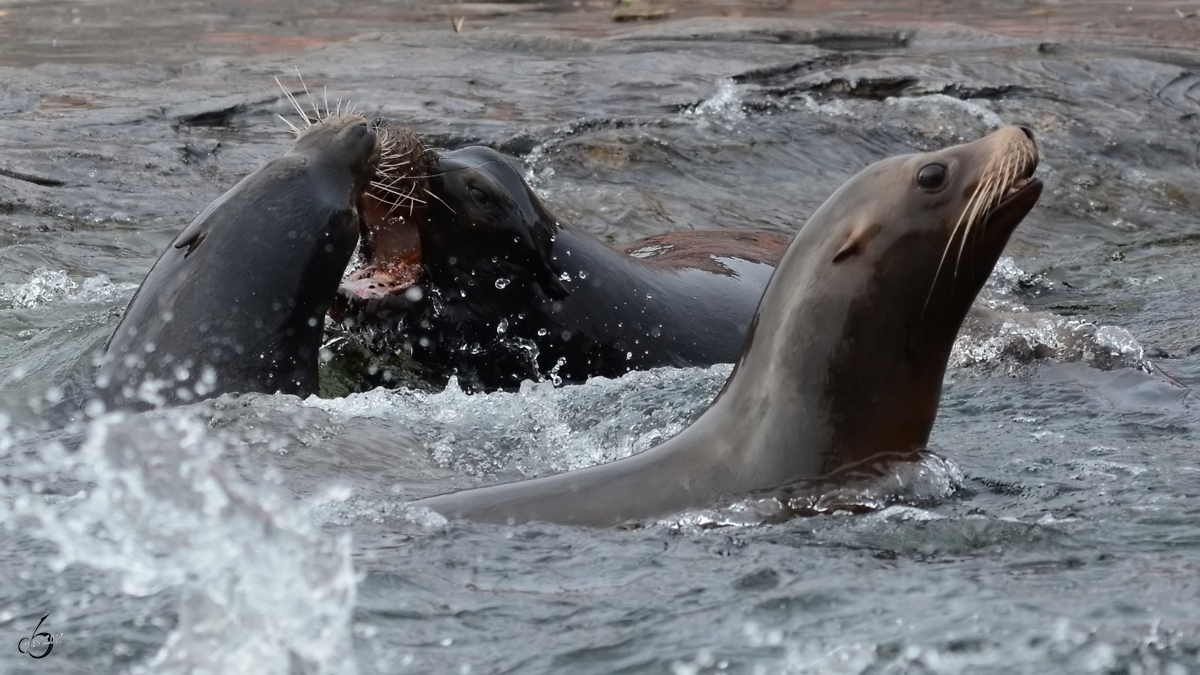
x=1007 y=183
x=1017 y=201
x=392 y=208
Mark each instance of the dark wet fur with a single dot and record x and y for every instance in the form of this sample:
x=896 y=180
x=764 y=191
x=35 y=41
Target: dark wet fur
x=511 y=293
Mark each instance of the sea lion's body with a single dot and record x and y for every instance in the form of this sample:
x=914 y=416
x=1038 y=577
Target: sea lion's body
x=508 y=292
x=843 y=366
x=237 y=301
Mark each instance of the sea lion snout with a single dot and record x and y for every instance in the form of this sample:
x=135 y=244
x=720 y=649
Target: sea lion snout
x=344 y=140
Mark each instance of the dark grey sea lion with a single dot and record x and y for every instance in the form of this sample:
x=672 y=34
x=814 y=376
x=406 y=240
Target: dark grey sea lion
x=843 y=366
x=507 y=291
x=237 y=302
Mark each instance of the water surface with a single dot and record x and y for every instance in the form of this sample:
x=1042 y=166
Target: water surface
x=270 y=535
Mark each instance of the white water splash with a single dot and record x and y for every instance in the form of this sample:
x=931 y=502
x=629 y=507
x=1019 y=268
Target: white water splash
x=1002 y=331
x=543 y=429
x=261 y=589
x=46 y=286
x=724 y=107
x=931 y=478
x=943 y=107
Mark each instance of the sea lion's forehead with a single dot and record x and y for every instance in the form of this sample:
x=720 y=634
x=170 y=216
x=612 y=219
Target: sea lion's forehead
x=497 y=167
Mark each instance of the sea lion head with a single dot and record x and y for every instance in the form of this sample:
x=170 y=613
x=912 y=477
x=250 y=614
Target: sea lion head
x=340 y=141
x=487 y=232
x=864 y=308
x=462 y=221
x=937 y=220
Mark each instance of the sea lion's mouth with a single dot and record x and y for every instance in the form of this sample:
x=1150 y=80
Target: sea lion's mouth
x=999 y=200
x=1023 y=193
x=1016 y=202
x=393 y=207
x=1005 y=192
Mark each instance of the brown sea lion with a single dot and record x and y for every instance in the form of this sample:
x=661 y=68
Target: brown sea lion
x=842 y=369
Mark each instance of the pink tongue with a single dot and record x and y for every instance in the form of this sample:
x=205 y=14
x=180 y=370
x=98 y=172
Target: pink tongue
x=374 y=286
x=371 y=282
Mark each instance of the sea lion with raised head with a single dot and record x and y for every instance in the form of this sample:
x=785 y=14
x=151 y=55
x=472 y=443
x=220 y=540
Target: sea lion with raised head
x=237 y=302
x=843 y=366
x=483 y=281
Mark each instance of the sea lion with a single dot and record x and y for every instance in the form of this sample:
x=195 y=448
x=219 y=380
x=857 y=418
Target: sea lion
x=237 y=302
x=843 y=366
x=491 y=286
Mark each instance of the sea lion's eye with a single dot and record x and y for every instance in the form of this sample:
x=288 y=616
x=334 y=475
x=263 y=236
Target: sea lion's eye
x=478 y=195
x=931 y=176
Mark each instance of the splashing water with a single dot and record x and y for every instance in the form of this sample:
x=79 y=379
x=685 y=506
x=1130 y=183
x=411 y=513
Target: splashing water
x=260 y=588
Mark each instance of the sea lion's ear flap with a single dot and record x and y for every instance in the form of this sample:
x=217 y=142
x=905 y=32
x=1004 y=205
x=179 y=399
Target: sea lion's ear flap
x=857 y=241
x=192 y=235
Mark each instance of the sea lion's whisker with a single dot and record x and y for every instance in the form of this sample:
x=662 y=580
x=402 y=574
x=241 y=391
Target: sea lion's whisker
x=401 y=194
x=946 y=251
x=312 y=101
x=290 y=125
x=308 y=121
x=427 y=191
x=296 y=105
x=981 y=202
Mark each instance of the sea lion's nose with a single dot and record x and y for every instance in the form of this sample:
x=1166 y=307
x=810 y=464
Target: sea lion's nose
x=1028 y=132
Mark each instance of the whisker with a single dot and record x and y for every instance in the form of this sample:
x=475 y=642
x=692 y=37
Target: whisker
x=296 y=105
x=400 y=194
x=980 y=205
x=440 y=200
x=290 y=125
x=946 y=251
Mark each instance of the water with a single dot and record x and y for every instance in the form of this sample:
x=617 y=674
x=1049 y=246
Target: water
x=270 y=535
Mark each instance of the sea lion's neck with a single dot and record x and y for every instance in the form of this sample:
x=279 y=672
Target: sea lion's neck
x=830 y=377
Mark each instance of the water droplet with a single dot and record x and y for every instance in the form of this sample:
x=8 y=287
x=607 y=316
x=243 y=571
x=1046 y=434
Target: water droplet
x=564 y=277
x=502 y=283
x=414 y=294
x=502 y=327
x=582 y=274
x=542 y=332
